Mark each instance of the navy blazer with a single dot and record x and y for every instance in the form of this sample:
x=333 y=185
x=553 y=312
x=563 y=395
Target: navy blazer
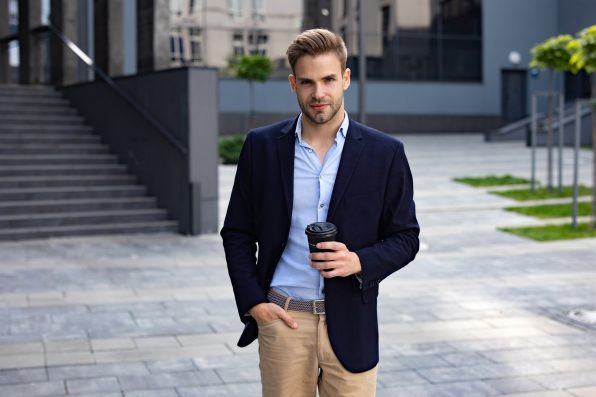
x=371 y=205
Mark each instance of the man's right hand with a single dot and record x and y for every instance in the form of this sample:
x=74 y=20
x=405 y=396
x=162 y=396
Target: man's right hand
x=265 y=313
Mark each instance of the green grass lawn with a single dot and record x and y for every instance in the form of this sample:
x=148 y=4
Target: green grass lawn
x=546 y=211
x=492 y=180
x=542 y=193
x=552 y=232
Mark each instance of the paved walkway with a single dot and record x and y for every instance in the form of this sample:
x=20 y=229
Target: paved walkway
x=479 y=313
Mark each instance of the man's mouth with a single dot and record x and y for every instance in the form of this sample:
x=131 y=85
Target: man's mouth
x=318 y=106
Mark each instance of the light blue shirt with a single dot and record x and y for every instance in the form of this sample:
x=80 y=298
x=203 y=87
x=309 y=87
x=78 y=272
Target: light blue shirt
x=313 y=185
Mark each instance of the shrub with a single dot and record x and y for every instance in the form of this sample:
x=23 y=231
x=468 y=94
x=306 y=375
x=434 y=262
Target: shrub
x=229 y=148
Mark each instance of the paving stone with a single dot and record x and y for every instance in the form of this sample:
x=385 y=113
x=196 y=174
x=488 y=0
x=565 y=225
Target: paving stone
x=94 y=385
x=113 y=344
x=152 y=393
x=160 y=366
x=399 y=378
x=583 y=392
x=567 y=380
x=97 y=371
x=460 y=389
x=239 y=375
x=15 y=376
x=240 y=389
x=514 y=385
x=465 y=359
x=36 y=389
x=168 y=380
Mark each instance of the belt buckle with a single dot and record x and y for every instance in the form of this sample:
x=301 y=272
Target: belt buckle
x=314 y=306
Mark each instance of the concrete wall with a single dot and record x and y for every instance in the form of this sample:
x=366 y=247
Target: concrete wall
x=184 y=180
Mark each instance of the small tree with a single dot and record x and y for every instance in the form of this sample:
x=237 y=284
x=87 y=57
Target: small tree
x=553 y=54
x=252 y=68
x=584 y=58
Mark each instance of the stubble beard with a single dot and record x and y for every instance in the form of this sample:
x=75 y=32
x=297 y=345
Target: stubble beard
x=320 y=117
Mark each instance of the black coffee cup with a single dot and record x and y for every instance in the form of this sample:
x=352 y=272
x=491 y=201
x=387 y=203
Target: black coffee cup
x=318 y=232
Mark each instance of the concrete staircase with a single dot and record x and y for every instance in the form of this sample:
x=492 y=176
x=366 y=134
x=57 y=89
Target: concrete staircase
x=58 y=179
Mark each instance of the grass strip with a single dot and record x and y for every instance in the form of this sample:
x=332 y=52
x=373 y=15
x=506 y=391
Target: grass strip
x=492 y=180
x=546 y=211
x=553 y=232
x=543 y=193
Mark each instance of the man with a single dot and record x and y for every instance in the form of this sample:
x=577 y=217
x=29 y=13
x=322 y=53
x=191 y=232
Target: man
x=315 y=315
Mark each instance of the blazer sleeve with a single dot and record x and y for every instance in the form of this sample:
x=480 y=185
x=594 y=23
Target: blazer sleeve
x=399 y=230
x=240 y=237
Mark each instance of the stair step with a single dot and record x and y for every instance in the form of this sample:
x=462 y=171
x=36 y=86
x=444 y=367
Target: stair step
x=54 y=149
x=89 y=230
x=41 y=119
x=73 y=169
x=80 y=192
x=54 y=159
x=65 y=181
x=36 y=110
x=50 y=139
x=34 y=100
x=12 y=93
x=4 y=128
x=81 y=218
x=28 y=87
x=76 y=205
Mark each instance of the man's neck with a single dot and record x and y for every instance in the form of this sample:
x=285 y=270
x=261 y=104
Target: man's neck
x=318 y=134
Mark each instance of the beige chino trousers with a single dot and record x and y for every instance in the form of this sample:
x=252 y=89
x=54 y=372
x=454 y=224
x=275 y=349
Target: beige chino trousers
x=295 y=362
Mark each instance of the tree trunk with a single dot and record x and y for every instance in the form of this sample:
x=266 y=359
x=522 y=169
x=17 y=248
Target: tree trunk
x=549 y=132
x=593 y=98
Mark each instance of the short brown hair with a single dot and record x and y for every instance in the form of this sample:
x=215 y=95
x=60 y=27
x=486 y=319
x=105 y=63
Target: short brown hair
x=316 y=42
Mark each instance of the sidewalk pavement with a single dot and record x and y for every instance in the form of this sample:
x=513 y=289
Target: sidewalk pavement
x=479 y=313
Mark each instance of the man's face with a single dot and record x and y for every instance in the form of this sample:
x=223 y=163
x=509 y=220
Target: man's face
x=319 y=84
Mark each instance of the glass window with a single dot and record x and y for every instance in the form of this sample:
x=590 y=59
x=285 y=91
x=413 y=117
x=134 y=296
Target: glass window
x=432 y=40
x=235 y=8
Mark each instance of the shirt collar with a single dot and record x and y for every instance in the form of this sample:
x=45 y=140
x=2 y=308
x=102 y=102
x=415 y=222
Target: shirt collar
x=343 y=128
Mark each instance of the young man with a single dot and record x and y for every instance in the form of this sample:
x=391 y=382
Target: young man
x=315 y=315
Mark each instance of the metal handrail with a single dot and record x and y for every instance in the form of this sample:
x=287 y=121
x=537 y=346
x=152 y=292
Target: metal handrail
x=112 y=84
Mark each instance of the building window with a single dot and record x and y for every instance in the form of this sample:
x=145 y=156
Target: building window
x=238 y=43
x=258 y=42
x=176 y=47
x=385 y=10
x=438 y=40
x=195 y=45
x=194 y=6
x=235 y=8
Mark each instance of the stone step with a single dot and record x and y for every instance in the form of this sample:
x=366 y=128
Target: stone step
x=12 y=138
x=76 y=205
x=65 y=181
x=61 y=128
x=72 y=169
x=69 y=148
x=72 y=192
x=57 y=159
x=7 y=109
x=89 y=230
x=41 y=119
x=31 y=88
x=81 y=218
x=14 y=93
x=34 y=100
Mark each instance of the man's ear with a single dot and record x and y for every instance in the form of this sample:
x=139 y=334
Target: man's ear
x=292 y=80
x=346 y=78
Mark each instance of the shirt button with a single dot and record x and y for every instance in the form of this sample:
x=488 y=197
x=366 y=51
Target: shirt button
x=321 y=205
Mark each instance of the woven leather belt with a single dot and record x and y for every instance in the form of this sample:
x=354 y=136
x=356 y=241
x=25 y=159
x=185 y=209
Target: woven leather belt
x=314 y=306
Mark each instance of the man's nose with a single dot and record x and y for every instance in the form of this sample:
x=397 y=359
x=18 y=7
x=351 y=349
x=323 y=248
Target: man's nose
x=318 y=91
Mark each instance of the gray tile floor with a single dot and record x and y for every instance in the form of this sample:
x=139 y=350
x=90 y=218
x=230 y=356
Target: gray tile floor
x=477 y=314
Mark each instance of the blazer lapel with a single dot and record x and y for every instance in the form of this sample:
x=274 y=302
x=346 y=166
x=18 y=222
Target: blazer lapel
x=349 y=159
x=285 y=154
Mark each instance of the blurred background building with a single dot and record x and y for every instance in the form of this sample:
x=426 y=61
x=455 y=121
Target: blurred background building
x=153 y=78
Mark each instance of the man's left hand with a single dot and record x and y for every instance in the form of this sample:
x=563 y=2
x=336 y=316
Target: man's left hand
x=339 y=263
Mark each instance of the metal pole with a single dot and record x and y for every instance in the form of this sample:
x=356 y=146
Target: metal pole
x=361 y=65
x=561 y=135
x=533 y=141
x=578 y=110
